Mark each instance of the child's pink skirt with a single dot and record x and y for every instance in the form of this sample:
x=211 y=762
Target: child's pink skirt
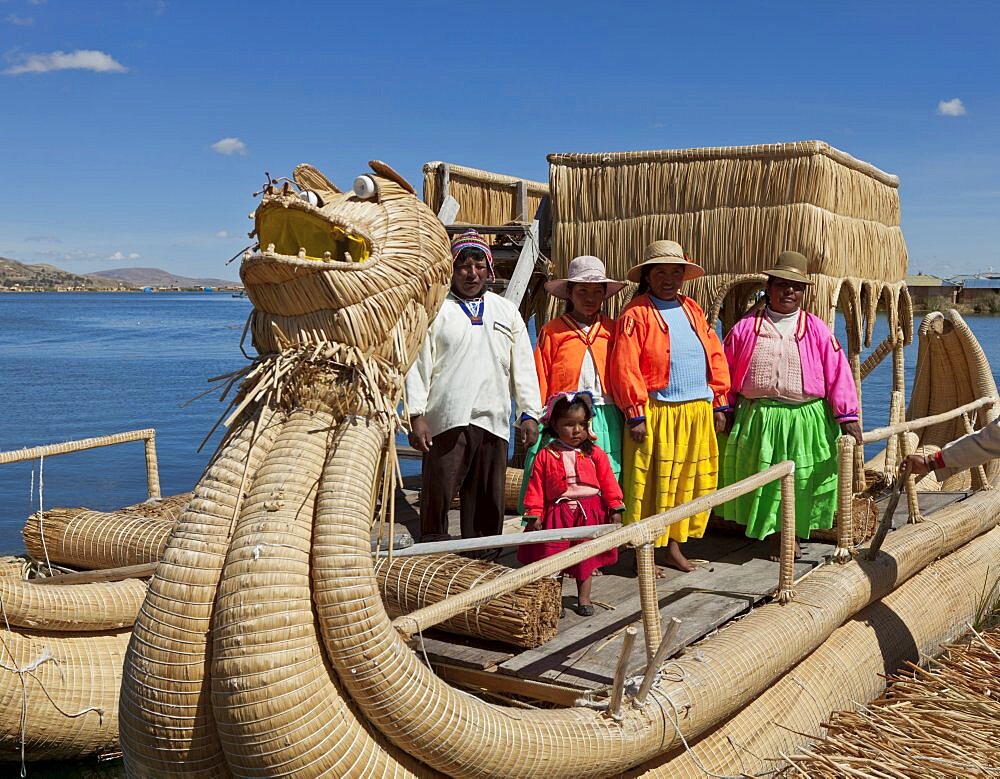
x=576 y=513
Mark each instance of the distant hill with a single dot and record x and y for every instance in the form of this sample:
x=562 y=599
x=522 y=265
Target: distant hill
x=18 y=275
x=154 y=277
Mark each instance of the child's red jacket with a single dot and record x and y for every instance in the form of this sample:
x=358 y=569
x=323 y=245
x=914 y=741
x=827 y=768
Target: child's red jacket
x=548 y=479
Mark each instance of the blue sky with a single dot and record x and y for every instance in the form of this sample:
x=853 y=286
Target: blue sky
x=136 y=131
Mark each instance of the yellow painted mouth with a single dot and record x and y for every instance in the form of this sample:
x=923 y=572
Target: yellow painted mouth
x=291 y=230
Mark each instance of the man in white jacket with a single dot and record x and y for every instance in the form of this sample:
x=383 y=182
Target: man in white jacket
x=476 y=358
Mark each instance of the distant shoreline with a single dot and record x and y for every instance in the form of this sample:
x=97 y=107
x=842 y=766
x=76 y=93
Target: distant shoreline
x=201 y=290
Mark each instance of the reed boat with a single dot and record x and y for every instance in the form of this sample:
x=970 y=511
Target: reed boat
x=262 y=644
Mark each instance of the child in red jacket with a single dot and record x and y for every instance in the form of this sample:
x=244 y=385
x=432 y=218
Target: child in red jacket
x=571 y=485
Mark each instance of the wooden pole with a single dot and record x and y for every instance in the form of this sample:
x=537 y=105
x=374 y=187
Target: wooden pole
x=618 y=688
x=458 y=545
x=657 y=660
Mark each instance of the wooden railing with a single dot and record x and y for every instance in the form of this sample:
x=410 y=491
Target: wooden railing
x=641 y=534
x=50 y=450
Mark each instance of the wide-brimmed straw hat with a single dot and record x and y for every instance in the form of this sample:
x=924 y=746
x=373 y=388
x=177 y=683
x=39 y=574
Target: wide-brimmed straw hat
x=665 y=253
x=583 y=270
x=791 y=266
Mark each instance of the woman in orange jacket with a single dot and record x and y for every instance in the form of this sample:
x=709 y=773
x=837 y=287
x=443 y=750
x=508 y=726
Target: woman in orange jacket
x=671 y=381
x=572 y=354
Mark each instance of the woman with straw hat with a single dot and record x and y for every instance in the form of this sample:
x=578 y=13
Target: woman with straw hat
x=572 y=354
x=671 y=379
x=794 y=394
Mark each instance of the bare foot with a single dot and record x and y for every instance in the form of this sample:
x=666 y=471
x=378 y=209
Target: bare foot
x=774 y=548
x=597 y=572
x=676 y=559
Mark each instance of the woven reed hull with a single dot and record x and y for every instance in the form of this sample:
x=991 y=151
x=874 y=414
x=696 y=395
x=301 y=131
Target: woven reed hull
x=848 y=668
x=85 y=672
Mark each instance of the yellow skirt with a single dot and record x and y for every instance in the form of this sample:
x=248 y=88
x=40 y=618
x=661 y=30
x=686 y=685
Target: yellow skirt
x=678 y=461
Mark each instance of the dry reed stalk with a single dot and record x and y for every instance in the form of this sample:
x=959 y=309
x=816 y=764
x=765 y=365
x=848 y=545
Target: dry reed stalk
x=940 y=722
x=526 y=618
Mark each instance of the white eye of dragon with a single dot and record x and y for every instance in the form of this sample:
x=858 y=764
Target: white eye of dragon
x=311 y=198
x=364 y=187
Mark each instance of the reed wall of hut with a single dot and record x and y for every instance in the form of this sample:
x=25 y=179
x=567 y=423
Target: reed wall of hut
x=734 y=209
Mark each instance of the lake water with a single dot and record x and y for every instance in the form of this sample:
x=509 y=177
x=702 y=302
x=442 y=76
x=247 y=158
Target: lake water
x=88 y=364
x=80 y=365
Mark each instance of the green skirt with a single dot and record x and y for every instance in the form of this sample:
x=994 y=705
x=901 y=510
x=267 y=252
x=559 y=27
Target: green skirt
x=608 y=425
x=766 y=432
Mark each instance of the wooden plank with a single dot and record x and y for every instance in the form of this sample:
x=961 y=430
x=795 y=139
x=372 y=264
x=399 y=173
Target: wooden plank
x=524 y=268
x=459 y=545
x=559 y=694
x=723 y=590
x=453 y=229
x=521 y=201
x=461 y=650
x=449 y=210
x=141 y=571
x=929 y=503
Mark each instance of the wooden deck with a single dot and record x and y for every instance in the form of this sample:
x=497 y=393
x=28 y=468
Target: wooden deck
x=733 y=576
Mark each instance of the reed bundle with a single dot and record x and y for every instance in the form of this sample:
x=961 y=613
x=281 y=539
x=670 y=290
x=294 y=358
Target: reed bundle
x=59 y=692
x=938 y=722
x=485 y=198
x=526 y=618
x=82 y=538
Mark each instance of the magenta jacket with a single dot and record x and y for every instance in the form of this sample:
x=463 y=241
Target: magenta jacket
x=825 y=371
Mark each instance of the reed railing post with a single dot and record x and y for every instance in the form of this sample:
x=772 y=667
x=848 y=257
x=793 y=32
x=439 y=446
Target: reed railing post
x=910 y=485
x=845 y=500
x=618 y=688
x=786 y=567
x=649 y=601
x=858 y=473
x=892 y=445
x=152 y=470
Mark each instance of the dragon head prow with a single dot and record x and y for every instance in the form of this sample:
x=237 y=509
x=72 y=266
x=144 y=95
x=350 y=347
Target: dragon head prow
x=365 y=269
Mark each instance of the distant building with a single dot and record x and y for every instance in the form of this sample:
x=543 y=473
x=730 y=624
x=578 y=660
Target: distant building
x=147 y=289
x=923 y=287
x=979 y=287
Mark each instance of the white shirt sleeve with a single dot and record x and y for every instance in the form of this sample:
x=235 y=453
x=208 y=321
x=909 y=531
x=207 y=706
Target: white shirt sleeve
x=418 y=379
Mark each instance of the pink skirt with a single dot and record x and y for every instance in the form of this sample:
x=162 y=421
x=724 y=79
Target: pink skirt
x=586 y=511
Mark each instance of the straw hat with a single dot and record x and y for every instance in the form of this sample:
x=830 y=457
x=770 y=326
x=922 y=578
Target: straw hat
x=583 y=270
x=665 y=253
x=791 y=266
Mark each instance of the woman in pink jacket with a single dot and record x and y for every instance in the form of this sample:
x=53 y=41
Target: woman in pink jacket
x=796 y=396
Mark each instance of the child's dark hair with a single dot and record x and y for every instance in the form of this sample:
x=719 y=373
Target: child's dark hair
x=561 y=408
x=643 y=284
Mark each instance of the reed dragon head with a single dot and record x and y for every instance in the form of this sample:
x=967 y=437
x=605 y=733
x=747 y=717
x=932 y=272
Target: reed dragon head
x=362 y=270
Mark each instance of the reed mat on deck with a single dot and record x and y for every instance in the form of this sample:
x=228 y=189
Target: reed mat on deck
x=942 y=721
x=527 y=617
x=82 y=538
x=485 y=198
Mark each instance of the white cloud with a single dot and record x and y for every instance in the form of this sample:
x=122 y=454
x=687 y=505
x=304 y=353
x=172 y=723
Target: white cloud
x=36 y=2
x=81 y=59
x=222 y=234
x=19 y=21
x=953 y=107
x=121 y=256
x=230 y=146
